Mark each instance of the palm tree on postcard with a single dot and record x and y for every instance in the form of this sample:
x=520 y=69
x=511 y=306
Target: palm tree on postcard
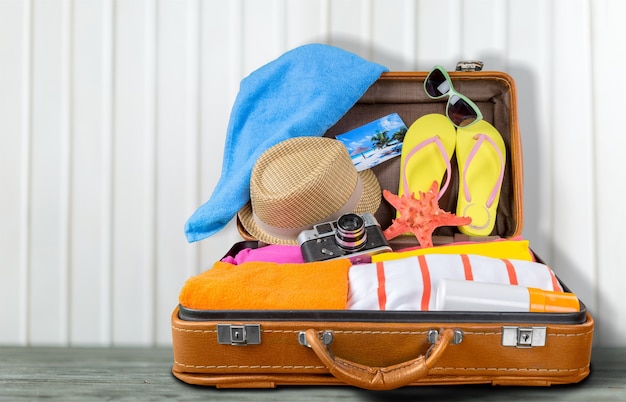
x=380 y=139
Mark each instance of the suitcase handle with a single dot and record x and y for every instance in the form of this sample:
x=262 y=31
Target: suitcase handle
x=380 y=378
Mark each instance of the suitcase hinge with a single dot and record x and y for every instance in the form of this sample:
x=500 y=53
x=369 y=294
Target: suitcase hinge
x=238 y=335
x=523 y=337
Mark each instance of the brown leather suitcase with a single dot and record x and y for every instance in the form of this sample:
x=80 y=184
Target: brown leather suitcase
x=388 y=349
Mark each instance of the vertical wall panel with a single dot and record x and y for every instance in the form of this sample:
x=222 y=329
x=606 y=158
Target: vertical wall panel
x=572 y=150
x=48 y=239
x=15 y=60
x=306 y=21
x=89 y=300
x=177 y=126
x=392 y=38
x=134 y=173
x=528 y=66
x=221 y=69
x=106 y=213
x=438 y=33
x=484 y=32
x=350 y=26
x=610 y=189
x=261 y=28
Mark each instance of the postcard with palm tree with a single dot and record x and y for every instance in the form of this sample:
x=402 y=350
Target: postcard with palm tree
x=375 y=142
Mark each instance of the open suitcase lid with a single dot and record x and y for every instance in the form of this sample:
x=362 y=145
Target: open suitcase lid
x=402 y=92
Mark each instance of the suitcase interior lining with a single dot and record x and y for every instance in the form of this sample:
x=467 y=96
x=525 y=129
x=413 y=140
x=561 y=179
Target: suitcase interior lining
x=405 y=95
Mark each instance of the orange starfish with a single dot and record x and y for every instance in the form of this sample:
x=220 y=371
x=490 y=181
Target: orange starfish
x=420 y=216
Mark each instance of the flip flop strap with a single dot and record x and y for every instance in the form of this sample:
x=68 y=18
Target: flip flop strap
x=494 y=192
x=434 y=139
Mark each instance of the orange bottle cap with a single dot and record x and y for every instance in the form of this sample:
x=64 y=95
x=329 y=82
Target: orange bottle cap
x=553 y=302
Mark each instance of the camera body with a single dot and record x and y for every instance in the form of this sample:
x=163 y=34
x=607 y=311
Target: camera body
x=352 y=236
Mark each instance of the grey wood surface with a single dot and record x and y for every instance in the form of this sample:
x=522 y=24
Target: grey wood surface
x=129 y=374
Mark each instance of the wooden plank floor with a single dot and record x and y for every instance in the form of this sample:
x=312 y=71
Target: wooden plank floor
x=127 y=374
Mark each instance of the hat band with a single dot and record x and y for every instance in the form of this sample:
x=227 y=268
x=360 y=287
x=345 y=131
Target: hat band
x=292 y=233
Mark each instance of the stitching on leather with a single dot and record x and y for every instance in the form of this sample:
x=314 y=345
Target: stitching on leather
x=374 y=332
x=581 y=334
x=250 y=367
x=490 y=333
x=366 y=332
x=201 y=331
x=546 y=370
x=349 y=365
x=344 y=363
x=381 y=332
x=533 y=370
x=288 y=331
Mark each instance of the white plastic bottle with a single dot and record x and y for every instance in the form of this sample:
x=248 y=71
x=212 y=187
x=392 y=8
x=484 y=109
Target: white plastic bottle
x=459 y=295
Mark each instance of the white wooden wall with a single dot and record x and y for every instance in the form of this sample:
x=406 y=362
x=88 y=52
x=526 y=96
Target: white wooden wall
x=113 y=117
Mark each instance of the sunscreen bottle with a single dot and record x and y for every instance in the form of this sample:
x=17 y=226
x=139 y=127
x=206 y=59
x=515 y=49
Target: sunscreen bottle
x=459 y=295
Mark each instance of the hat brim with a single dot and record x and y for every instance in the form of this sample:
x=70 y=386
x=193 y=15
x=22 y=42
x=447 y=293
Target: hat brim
x=369 y=202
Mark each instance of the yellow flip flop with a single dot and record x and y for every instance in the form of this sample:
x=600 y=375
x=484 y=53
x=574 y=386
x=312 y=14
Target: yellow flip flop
x=426 y=151
x=481 y=156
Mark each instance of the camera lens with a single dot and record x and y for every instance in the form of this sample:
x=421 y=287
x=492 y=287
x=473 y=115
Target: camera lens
x=351 y=235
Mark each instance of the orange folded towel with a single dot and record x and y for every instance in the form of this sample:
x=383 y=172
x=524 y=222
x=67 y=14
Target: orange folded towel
x=269 y=286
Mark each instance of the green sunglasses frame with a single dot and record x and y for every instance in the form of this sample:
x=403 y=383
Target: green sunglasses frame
x=452 y=92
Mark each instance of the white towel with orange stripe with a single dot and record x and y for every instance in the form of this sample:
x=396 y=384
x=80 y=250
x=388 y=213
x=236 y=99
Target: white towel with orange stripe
x=411 y=283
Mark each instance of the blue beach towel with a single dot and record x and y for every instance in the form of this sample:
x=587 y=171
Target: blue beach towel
x=302 y=93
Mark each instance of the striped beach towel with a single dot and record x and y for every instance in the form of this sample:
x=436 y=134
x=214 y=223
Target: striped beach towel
x=410 y=283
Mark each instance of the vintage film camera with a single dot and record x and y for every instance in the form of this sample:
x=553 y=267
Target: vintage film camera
x=352 y=236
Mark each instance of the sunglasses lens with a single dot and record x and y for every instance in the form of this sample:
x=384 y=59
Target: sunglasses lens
x=460 y=112
x=436 y=84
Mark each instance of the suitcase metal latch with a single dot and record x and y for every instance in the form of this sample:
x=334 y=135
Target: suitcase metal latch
x=469 y=65
x=523 y=337
x=238 y=335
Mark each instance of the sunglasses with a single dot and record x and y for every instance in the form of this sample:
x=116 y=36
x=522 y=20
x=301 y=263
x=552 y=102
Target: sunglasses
x=460 y=109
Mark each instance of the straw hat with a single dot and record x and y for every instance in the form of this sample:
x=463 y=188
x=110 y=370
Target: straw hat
x=301 y=182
